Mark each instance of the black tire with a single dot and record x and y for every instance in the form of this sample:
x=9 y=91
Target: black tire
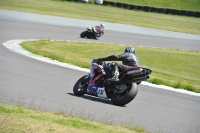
x=80 y=87
x=129 y=95
x=83 y=34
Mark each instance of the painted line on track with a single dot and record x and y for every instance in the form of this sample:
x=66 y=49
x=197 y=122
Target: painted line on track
x=14 y=45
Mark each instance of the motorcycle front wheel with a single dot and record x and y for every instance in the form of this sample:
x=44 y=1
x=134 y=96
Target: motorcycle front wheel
x=83 y=34
x=121 y=99
x=80 y=87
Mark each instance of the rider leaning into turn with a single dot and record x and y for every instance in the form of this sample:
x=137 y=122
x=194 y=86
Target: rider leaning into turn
x=128 y=58
x=97 y=30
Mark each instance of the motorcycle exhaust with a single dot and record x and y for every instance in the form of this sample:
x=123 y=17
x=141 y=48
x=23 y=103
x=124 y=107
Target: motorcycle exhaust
x=136 y=71
x=141 y=79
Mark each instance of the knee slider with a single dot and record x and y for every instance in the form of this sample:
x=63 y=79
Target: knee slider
x=113 y=65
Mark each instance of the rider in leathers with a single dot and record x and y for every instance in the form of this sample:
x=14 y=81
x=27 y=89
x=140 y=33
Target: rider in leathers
x=128 y=58
x=97 y=30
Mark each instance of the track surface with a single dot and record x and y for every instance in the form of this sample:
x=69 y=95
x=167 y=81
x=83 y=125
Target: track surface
x=36 y=84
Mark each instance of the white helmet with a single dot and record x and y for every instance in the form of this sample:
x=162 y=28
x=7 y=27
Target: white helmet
x=102 y=25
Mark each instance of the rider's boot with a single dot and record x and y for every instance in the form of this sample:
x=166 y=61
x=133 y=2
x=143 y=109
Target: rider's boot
x=115 y=76
x=95 y=36
x=115 y=72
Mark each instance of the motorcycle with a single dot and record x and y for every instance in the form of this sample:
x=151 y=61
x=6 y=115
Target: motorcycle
x=89 y=33
x=120 y=92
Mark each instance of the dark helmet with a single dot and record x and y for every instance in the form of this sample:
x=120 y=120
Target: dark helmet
x=129 y=50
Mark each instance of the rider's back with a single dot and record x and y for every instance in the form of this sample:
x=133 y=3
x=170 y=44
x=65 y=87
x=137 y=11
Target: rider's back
x=129 y=59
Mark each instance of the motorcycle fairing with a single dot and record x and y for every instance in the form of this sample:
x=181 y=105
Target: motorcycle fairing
x=96 y=72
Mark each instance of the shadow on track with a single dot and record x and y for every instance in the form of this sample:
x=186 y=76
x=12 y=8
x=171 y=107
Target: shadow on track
x=96 y=99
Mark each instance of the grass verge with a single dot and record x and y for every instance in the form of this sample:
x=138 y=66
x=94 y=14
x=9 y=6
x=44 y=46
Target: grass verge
x=175 y=68
x=105 y=14
x=17 y=119
x=190 y=5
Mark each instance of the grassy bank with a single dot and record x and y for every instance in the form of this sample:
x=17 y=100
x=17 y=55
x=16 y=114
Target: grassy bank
x=176 y=68
x=16 y=119
x=105 y=14
x=190 y=5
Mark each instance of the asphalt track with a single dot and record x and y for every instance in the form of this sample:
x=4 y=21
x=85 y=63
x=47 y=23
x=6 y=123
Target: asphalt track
x=44 y=86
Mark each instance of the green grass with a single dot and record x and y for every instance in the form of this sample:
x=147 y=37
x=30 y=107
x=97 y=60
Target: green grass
x=190 y=5
x=175 y=73
x=176 y=68
x=17 y=119
x=105 y=14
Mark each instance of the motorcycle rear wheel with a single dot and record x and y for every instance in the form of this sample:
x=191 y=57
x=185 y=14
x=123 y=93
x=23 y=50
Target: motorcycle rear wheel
x=80 y=87
x=126 y=97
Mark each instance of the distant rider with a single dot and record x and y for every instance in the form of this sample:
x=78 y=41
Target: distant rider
x=128 y=59
x=97 y=30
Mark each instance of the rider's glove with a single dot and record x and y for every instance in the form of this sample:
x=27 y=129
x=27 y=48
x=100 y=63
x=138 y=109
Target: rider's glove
x=99 y=61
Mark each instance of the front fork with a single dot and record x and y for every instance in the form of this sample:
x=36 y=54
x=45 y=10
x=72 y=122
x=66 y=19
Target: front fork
x=85 y=80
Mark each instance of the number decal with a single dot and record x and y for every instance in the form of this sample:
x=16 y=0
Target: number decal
x=101 y=92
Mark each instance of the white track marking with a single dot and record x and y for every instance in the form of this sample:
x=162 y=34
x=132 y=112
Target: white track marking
x=14 y=45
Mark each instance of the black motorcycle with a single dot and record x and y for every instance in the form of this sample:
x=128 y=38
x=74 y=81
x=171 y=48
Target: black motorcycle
x=89 y=33
x=120 y=92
